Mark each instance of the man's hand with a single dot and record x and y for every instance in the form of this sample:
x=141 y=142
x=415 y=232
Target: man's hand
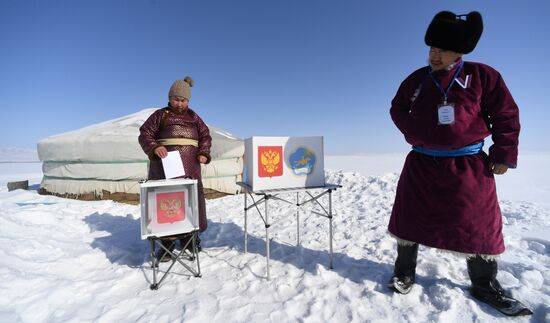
x=202 y=159
x=498 y=169
x=161 y=151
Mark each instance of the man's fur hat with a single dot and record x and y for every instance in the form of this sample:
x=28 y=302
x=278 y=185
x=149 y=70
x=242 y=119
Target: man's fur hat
x=450 y=32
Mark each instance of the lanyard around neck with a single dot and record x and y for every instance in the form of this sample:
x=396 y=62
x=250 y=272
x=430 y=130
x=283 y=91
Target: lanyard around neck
x=446 y=92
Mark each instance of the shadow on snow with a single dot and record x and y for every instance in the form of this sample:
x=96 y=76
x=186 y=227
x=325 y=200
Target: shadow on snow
x=124 y=246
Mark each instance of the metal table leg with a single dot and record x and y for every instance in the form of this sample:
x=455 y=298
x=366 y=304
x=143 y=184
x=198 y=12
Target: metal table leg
x=297 y=219
x=330 y=225
x=267 y=242
x=245 y=222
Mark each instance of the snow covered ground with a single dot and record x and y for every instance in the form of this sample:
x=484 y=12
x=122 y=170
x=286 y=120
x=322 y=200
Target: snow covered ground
x=64 y=260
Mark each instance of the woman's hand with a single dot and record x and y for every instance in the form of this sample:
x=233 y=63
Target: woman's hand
x=498 y=169
x=161 y=151
x=202 y=159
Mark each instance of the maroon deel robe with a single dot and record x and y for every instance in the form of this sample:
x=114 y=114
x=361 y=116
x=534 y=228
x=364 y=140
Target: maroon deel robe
x=451 y=202
x=170 y=123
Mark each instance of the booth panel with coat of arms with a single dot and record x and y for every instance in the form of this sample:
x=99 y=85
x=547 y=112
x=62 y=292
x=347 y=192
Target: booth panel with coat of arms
x=284 y=162
x=168 y=207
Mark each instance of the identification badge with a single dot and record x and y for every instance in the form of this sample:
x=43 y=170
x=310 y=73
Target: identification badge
x=446 y=114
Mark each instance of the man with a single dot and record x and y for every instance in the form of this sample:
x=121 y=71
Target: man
x=446 y=195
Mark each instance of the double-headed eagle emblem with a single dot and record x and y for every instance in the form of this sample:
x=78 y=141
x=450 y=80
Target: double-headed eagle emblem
x=170 y=206
x=270 y=160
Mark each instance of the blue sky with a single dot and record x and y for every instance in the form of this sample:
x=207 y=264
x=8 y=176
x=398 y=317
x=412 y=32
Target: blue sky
x=283 y=68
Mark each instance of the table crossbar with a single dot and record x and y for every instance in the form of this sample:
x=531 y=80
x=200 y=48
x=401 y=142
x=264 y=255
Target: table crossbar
x=272 y=194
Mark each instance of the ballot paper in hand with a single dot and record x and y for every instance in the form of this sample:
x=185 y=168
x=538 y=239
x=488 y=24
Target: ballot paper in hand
x=172 y=164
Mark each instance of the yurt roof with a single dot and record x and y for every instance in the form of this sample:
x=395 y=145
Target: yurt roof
x=117 y=139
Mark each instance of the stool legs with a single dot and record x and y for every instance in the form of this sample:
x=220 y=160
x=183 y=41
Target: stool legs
x=167 y=249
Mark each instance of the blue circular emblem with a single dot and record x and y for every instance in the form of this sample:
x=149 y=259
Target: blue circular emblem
x=302 y=161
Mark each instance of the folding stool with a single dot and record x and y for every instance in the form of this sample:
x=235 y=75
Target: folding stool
x=177 y=256
x=169 y=211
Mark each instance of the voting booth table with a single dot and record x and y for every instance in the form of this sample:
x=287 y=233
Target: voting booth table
x=279 y=167
x=169 y=211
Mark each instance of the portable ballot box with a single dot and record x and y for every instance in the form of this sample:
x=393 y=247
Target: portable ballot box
x=168 y=207
x=284 y=162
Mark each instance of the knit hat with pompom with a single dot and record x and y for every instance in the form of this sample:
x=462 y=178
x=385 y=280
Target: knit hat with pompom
x=182 y=88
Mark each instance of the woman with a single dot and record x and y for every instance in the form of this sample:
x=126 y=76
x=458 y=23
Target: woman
x=177 y=127
x=446 y=195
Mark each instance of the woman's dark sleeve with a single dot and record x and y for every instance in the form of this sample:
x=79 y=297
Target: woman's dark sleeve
x=205 y=140
x=148 y=132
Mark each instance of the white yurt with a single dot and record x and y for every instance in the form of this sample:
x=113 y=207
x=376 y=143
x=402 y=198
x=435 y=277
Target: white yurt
x=105 y=161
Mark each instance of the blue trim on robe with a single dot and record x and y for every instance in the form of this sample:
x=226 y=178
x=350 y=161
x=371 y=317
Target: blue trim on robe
x=464 y=151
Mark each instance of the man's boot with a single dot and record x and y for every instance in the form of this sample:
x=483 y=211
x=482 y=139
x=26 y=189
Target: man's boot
x=486 y=288
x=405 y=268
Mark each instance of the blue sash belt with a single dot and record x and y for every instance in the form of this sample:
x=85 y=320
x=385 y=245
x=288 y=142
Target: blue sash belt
x=464 y=151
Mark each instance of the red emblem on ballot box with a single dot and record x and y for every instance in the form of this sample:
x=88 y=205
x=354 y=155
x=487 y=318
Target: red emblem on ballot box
x=170 y=207
x=270 y=161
